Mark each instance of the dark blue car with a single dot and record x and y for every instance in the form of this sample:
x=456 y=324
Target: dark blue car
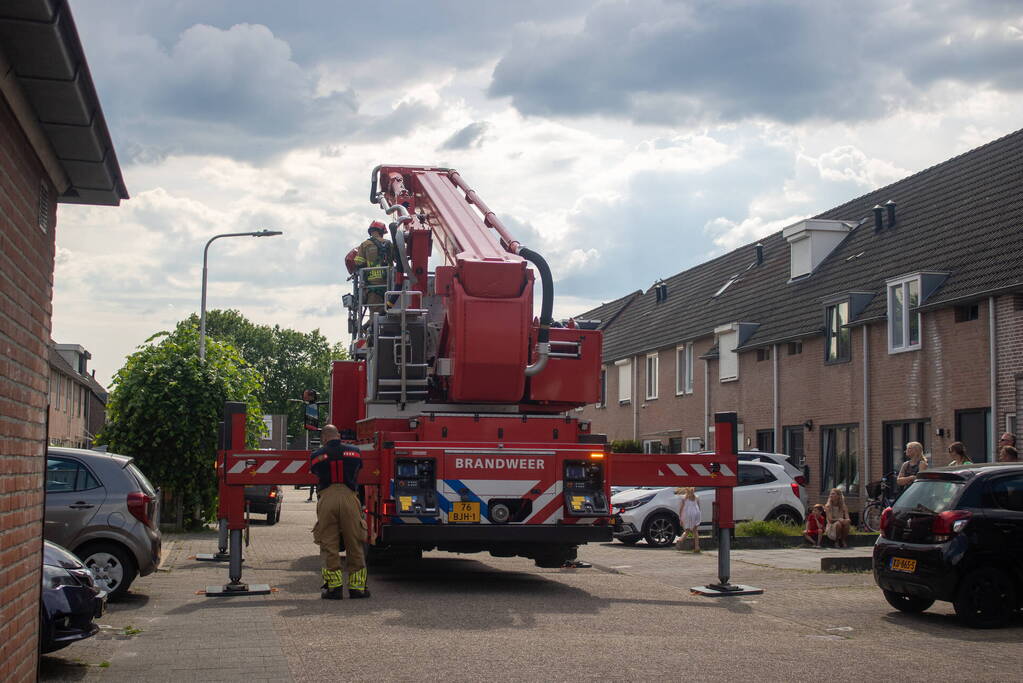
x=69 y=601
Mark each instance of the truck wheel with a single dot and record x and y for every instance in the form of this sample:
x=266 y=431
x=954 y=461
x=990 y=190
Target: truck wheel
x=986 y=598
x=660 y=530
x=907 y=603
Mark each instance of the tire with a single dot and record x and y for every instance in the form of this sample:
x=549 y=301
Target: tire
x=273 y=517
x=111 y=565
x=907 y=603
x=871 y=517
x=660 y=530
x=630 y=540
x=986 y=598
x=785 y=515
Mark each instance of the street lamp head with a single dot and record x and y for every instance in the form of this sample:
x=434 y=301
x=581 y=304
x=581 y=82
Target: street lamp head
x=267 y=233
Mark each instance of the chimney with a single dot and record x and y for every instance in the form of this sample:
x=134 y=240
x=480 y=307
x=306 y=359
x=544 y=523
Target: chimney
x=878 y=221
x=759 y=251
x=890 y=205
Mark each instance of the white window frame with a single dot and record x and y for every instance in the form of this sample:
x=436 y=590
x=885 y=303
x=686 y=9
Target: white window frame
x=648 y=445
x=728 y=340
x=653 y=363
x=693 y=444
x=684 y=369
x=624 y=380
x=902 y=324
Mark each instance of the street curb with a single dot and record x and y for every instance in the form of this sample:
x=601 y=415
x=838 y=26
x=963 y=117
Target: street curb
x=846 y=564
x=772 y=542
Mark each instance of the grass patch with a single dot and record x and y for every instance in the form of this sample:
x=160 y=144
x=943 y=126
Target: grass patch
x=104 y=664
x=131 y=630
x=770 y=529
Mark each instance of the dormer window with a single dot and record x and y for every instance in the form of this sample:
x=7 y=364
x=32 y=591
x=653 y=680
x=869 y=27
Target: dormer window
x=903 y=318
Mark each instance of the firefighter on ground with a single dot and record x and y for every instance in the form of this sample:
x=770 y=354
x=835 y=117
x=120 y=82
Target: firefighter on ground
x=339 y=514
x=373 y=253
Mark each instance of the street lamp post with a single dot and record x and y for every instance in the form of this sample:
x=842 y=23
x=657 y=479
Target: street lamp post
x=205 y=254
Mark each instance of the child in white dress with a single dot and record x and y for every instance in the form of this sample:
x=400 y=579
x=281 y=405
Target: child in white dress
x=689 y=514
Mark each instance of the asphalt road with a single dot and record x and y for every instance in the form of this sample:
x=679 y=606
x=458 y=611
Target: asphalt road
x=475 y=617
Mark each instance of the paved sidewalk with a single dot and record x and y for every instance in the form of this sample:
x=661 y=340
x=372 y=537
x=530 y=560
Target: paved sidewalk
x=807 y=559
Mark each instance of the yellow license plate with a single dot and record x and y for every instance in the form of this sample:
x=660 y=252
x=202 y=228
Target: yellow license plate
x=461 y=513
x=903 y=564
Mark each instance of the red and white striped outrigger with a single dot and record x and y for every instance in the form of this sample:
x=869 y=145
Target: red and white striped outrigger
x=532 y=498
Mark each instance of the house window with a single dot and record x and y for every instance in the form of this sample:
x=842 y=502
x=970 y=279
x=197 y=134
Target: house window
x=838 y=338
x=675 y=444
x=965 y=314
x=651 y=375
x=728 y=359
x=763 y=354
x=795 y=348
x=897 y=434
x=653 y=446
x=840 y=459
x=1010 y=423
x=903 y=320
x=602 y=401
x=684 y=369
x=765 y=440
x=792 y=444
x=694 y=444
x=624 y=380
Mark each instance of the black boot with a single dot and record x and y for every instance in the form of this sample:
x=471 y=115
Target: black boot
x=355 y=594
x=332 y=593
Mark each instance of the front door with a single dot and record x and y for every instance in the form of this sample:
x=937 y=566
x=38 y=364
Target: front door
x=972 y=430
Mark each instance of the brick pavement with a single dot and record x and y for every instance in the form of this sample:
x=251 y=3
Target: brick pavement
x=476 y=617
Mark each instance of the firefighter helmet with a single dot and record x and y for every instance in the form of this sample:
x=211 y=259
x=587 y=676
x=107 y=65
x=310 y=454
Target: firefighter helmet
x=350 y=260
x=377 y=225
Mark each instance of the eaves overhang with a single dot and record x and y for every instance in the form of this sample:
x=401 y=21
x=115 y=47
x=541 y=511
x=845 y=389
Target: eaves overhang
x=45 y=78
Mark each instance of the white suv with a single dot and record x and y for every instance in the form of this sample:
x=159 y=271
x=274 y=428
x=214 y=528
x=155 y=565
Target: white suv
x=765 y=491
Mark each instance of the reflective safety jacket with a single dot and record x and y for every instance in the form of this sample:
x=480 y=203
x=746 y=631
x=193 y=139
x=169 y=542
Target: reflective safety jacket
x=371 y=254
x=336 y=463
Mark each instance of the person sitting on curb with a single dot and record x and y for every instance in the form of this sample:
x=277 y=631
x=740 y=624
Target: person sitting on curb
x=815 y=521
x=837 y=514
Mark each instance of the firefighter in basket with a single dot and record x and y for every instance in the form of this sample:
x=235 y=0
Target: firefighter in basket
x=374 y=252
x=339 y=514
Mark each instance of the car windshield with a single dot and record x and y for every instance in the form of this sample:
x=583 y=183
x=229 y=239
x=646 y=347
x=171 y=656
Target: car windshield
x=147 y=488
x=929 y=496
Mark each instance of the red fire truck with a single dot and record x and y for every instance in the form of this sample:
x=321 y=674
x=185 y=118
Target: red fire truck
x=461 y=401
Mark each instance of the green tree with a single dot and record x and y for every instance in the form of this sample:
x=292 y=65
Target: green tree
x=165 y=408
x=289 y=361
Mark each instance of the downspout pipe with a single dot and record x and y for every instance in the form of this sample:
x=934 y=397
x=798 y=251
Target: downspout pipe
x=866 y=412
x=543 y=344
x=993 y=363
x=775 y=427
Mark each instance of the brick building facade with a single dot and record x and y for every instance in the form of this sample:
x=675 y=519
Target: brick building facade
x=77 y=401
x=895 y=317
x=54 y=147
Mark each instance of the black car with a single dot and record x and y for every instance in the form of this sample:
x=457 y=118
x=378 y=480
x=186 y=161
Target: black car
x=956 y=535
x=265 y=500
x=69 y=600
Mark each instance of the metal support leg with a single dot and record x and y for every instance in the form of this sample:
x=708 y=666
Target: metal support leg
x=235 y=586
x=222 y=554
x=723 y=588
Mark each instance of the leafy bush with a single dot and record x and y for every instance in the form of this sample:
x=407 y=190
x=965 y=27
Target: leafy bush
x=627 y=446
x=771 y=529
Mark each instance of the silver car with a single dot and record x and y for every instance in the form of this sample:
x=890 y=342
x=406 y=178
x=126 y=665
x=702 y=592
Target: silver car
x=102 y=508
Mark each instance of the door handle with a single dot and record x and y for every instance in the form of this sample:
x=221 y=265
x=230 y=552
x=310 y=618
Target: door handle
x=80 y=505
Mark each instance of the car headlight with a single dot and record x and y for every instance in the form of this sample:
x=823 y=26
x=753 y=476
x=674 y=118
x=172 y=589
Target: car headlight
x=632 y=504
x=55 y=577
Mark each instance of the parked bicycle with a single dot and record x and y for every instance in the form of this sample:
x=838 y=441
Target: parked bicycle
x=881 y=495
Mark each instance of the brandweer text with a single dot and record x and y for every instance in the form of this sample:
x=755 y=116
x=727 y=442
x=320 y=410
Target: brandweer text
x=499 y=463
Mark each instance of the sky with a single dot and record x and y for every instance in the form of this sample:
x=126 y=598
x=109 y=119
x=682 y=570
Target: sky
x=626 y=140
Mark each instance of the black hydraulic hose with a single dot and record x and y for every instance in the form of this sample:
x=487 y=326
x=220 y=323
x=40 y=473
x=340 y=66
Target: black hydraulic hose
x=546 y=308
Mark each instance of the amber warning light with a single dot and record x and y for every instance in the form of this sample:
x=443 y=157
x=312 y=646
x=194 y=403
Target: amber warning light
x=596 y=456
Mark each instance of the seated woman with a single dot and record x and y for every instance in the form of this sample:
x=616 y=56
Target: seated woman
x=837 y=515
x=815 y=522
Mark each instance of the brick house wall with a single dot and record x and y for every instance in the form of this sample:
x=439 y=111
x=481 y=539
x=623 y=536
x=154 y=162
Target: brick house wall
x=26 y=286
x=1009 y=359
x=949 y=373
x=69 y=411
